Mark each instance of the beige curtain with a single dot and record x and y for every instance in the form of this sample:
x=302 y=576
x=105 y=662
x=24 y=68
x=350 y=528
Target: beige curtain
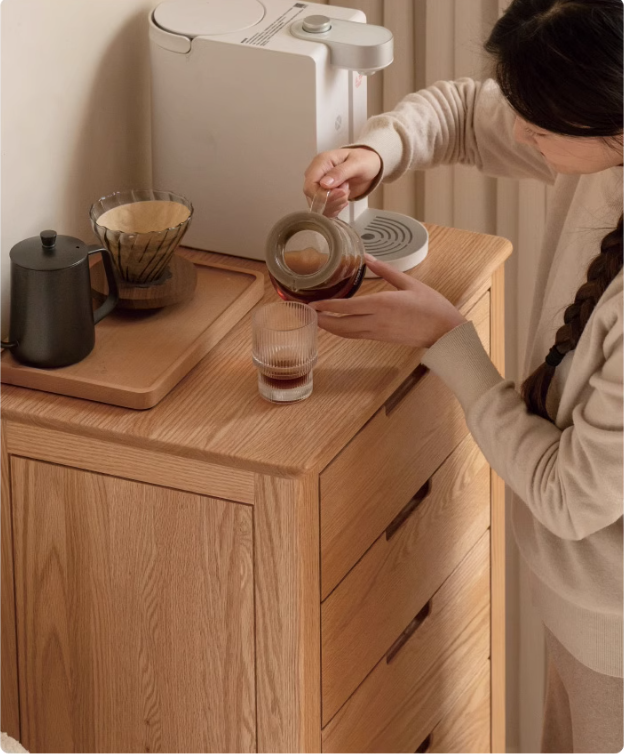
x=442 y=39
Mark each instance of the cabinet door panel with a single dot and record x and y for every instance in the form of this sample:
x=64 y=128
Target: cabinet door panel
x=135 y=615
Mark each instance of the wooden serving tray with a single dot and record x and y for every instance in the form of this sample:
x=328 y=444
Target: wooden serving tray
x=139 y=356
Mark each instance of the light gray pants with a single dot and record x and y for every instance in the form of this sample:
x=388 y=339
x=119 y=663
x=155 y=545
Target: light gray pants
x=583 y=709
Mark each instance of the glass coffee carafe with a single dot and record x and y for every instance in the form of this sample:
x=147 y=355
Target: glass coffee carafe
x=311 y=257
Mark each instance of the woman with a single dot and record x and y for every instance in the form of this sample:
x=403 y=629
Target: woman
x=553 y=113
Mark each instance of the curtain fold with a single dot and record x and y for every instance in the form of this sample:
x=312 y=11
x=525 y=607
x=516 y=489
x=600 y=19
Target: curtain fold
x=443 y=39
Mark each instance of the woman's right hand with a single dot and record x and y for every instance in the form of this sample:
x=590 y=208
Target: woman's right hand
x=348 y=173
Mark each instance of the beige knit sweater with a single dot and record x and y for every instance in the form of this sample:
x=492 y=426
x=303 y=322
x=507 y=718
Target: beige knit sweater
x=567 y=475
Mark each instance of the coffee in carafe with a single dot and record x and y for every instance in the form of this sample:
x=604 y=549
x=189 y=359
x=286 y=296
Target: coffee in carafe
x=311 y=257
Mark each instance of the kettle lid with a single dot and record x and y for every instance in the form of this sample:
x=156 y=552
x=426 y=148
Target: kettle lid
x=48 y=251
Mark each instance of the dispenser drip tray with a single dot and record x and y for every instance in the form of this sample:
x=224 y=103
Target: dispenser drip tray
x=392 y=237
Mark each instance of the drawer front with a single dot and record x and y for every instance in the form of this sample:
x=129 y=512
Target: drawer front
x=391 y=584
x=387 y=462
x=467 y=727
x=417 y=684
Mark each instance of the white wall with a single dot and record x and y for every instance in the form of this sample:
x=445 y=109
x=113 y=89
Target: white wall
x=75 y=113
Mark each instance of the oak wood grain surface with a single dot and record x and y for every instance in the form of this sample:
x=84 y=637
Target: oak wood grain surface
x=288 y=662
x=379 y=597
x=215 y=412
x=466 y=728
x=135 y=615
x=142 y=465
x=401 y=700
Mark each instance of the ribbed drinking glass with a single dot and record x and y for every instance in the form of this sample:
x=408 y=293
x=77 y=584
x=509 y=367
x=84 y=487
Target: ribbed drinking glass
x=284 y=350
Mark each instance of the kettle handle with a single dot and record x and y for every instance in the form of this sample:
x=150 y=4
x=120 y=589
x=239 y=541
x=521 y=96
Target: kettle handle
x=113 y=292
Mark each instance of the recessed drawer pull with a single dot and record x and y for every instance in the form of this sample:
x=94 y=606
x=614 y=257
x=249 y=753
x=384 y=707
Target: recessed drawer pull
x=407 y=511
x=405 y=636
x=424 y=746
x=404 y=388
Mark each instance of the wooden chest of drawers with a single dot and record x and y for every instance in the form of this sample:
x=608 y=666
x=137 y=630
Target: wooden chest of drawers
x=221 y=574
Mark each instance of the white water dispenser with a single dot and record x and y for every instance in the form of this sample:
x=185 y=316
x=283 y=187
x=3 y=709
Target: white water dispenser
x=244 y=94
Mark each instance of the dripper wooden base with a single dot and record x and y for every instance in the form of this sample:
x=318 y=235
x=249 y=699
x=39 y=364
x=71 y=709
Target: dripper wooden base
x=179 y=284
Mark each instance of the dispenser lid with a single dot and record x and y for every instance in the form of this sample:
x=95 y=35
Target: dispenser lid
x=47 y=251
x=207 y=18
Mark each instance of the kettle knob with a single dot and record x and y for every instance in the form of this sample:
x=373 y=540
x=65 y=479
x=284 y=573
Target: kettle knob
x=48 y=238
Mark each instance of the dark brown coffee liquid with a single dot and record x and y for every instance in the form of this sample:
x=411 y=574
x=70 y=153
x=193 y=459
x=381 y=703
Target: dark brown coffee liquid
x=284 y=374
x=344 y=283
x=342 y=289
x=285 y=383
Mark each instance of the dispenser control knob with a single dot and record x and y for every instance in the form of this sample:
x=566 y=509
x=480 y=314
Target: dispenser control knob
x=316 y=24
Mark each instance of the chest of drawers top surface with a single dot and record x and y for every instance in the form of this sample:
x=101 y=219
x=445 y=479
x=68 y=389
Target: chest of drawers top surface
x=215 y=412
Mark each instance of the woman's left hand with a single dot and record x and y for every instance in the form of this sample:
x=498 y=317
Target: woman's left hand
x=414 y=314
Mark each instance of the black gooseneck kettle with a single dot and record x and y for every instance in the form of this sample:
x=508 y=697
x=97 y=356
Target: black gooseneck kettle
x=52 y=317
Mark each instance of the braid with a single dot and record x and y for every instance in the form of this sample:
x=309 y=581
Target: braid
x=602 y=270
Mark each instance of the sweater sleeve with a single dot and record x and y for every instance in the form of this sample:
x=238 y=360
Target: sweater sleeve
x=570 y=479
x=463 y=121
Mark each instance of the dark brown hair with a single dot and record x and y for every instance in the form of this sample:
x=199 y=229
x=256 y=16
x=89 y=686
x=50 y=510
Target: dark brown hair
x=559 y=65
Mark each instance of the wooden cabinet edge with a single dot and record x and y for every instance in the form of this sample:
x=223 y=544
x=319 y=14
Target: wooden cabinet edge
x=128 y=462
x=497 y=536
x=288 y=631
x=10 y=687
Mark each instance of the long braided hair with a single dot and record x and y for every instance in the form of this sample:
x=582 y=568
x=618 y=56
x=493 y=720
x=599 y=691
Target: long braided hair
x=559 y=65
